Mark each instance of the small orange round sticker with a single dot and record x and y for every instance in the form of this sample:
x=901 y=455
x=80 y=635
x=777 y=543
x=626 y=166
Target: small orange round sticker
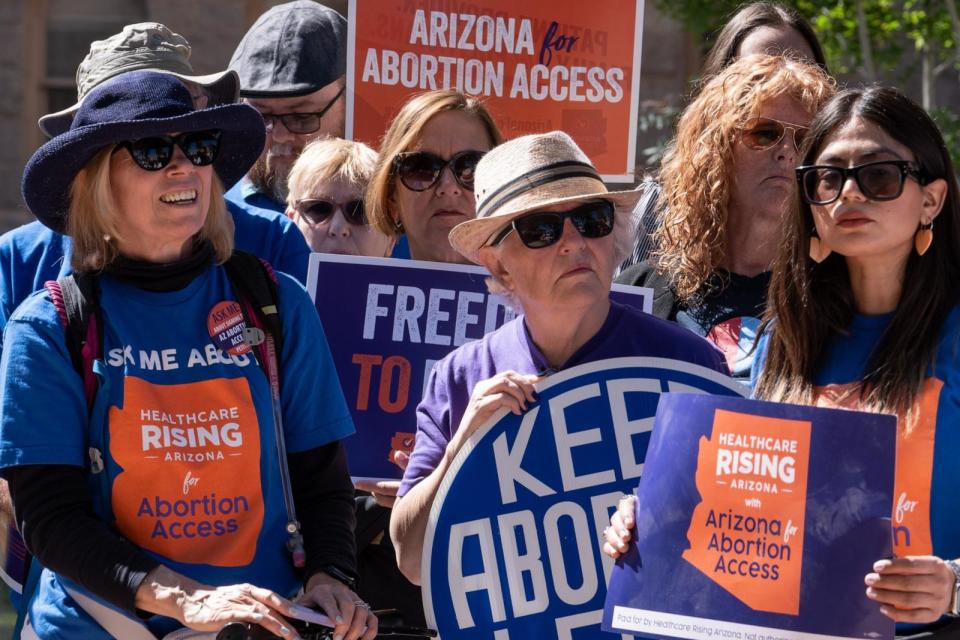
x=226 y=326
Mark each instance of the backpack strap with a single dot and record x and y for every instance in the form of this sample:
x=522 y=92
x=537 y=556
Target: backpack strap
x=254 y=282
x=76 y=299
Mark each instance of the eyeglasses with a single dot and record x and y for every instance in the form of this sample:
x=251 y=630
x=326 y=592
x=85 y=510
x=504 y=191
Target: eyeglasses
x=421 y=170
x=876 y=180
x=761 y=134
x=539 y=230
x=155 y=152
x=300 y=123
x=318 y=211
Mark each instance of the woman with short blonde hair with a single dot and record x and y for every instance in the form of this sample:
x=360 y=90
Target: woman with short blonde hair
x=325 y=198
x=331 y=159
x=546 y=230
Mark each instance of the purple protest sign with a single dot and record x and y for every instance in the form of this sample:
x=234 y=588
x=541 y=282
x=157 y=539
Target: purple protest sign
x=387 y=322
x=757 y=520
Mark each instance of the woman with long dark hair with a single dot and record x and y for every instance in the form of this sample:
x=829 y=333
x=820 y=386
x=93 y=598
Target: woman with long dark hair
x=862 y=314
x=763 y=27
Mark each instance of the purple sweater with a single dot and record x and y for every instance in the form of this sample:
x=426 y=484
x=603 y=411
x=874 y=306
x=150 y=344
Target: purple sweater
x=626 y=332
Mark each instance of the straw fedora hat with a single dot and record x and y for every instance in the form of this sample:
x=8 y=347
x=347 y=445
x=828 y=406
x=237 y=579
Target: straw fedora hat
x=528 y=173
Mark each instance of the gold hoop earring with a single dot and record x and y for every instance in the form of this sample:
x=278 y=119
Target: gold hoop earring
x=924 y=238
x=818 y=248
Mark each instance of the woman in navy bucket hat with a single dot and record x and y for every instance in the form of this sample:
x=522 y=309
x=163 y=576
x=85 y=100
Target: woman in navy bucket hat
x=161 y=497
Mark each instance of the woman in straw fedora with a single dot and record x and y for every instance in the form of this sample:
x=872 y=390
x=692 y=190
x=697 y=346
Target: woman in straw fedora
x=551 y=235
x=178 y=520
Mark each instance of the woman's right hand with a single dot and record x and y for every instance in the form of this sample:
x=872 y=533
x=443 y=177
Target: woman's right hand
x=205 y=608
x=210 y=608
x=619 y=533
x=506 y=389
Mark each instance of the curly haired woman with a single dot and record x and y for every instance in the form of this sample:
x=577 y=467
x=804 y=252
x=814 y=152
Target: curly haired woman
x=725 y=178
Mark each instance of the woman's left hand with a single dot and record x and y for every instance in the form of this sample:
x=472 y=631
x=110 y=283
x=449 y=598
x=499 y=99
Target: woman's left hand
x=351 y=615
x=383 y=491
x=911 y=589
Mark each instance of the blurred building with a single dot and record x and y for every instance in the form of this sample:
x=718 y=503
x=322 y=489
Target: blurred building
x=43 y=41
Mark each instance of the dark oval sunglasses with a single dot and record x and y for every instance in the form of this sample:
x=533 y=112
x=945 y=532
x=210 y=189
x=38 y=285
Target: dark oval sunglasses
x=317 y=211
x=880 y=181
x=761 y=134
x=421 y=170
x=154 y=153
x=540 y=230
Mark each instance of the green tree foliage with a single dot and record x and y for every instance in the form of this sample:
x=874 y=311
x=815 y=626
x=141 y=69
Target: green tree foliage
x=877 y=40
x=886 y=41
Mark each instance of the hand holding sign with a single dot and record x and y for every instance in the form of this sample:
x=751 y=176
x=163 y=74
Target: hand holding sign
x=911 y=589
x=510 y=548
x=759 y=519
x=618 y=534
x=509 y=390
x=384 y=491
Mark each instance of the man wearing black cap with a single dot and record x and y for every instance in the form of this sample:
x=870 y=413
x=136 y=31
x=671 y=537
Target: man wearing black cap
x=291 y=65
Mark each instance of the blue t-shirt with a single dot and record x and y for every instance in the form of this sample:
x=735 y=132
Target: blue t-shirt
x=245 y=195
x=32 y=254
x=625 y=332
x=925 y=518
x=29 y=256
x=191 y=468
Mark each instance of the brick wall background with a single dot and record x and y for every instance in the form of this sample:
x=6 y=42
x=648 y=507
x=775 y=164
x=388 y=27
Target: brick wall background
x=43 y=41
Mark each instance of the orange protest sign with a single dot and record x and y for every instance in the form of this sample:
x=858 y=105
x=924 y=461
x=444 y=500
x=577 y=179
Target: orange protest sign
x=542 y=66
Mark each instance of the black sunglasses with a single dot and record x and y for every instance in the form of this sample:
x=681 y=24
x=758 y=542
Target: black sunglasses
x=883 y=180
x=155 y=152
x=421 y=170
x=539 y=230
x=317 y=211
x=300 y=123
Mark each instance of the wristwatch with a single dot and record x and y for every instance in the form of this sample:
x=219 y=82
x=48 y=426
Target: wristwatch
x=954 y=608
x=338 y=574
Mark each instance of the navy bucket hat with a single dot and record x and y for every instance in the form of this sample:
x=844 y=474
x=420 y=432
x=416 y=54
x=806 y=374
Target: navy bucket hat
x=131 y=106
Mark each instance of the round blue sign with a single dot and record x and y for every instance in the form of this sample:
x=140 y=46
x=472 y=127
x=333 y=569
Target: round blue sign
x=512 y=548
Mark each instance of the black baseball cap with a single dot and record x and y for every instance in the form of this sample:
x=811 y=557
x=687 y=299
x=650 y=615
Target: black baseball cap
x=291 y=50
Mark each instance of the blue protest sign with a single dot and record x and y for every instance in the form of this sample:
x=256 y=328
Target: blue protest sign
x=757 y=520
x=387 y=322
x=512 y=547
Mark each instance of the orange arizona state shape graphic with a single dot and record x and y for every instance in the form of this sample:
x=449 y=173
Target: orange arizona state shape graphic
x=190 y=486
x=747 y=532
x=757 y=520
